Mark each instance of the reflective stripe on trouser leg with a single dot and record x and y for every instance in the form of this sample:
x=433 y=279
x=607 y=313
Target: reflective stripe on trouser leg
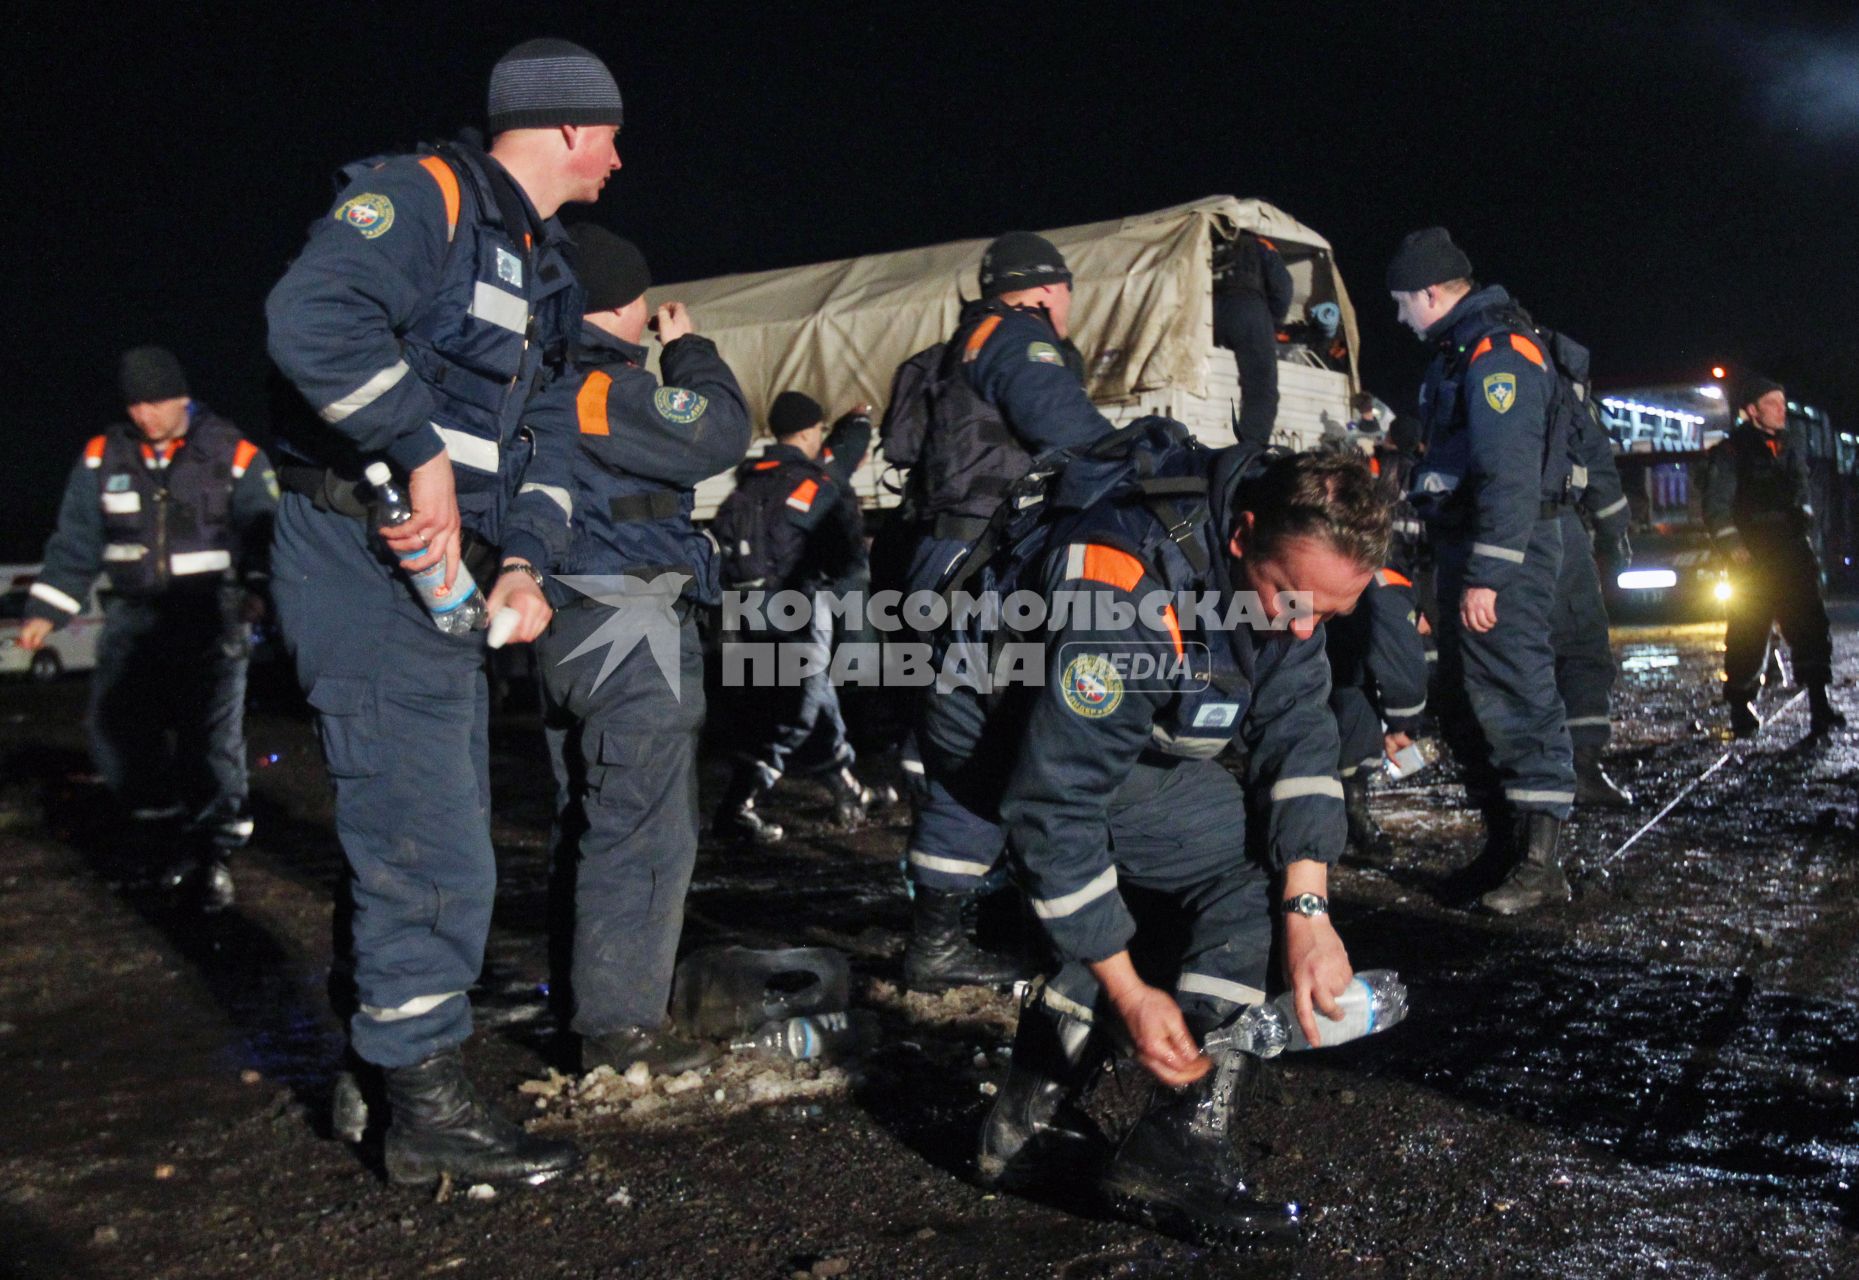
x=1510 y=684
x=405 y=741
x=955 y=842
x=632 y=770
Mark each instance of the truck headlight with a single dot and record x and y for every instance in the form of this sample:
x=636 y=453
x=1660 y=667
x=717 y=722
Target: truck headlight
x=1722 y=589
x=1647 y=580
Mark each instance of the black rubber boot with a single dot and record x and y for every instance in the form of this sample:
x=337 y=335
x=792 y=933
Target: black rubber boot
x=852 y=799
x=663 y=1051
x=737 y=817
x=439 y=1126
x=1366 y=838
x=1824 y=717
x=1592 y=785
x=1537 y=879
x=1035 y=1131
x=1177 y=1171
x=1744 y=722
x=203 y=883
x=1495 y=858
x=940 y=956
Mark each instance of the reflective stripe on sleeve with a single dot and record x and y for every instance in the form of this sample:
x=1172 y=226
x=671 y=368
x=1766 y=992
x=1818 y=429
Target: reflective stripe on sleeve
x=1587 y=722
x=123 y=552
x=468 y=450
x=1416 y=709
x=1727 y=531
x=411 y=1009
x=187 y=562
x=555 y=493
x=1205 y=984
x=53 y=596
x=949 y=866
x=500 y=307
x=1060 y=1003
x=366 y=394
x=1296 y=788
x=1067 y=904
x=1619 y=504
x=1496 y=552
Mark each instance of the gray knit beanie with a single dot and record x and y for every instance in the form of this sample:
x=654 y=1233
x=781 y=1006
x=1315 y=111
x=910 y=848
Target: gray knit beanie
x=549 y=82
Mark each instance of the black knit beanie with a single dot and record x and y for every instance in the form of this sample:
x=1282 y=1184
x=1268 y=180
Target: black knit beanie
x=148 y=374
x=549 y=82
x=1425 y=258
x=792 y=413
x=1754 y=387
x=610 y=268
x=1021 y=260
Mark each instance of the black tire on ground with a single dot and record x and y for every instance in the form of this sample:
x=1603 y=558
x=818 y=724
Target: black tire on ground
x=47 y=665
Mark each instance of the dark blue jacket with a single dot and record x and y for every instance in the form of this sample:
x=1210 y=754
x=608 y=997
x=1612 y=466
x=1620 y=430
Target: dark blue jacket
x=182 y=517
x=1379 y=650
x=1757 y=490
x=1088 y=727
x=641 y=451
x=421 y=314
x=1485 y=407
x=792 y=522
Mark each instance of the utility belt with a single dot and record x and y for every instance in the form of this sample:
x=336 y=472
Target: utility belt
x=330 y=491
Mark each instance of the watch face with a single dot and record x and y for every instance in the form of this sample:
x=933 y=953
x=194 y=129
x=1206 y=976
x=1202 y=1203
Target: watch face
x=1307 y=904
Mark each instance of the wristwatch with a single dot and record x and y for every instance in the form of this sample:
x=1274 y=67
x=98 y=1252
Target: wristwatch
x=518 y=566
x=1305 y=904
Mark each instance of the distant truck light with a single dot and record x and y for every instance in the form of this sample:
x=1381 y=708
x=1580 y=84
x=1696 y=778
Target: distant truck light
x=1648 y=580
x=1721 y=590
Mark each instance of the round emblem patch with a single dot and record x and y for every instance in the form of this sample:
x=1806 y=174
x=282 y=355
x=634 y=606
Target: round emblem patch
x=1091 y=686
x=368 y=213
x=679 y=405
x=1044 y=353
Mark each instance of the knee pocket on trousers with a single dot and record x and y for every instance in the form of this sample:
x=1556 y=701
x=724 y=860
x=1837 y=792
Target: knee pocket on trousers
x=345 y=721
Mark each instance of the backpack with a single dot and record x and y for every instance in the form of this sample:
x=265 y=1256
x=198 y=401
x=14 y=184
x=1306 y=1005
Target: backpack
x=1155 y=463
x=757 y=545
x=907 y=415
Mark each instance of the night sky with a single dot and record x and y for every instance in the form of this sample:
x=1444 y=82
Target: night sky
x=1673 y=184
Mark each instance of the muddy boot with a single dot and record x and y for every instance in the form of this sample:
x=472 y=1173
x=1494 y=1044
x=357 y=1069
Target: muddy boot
x=940 y=956
x=738 y=819
x=439 y=1126
x=1366 y=838
x=1824 y=717
x=663 y=1051
x=1493 y=863
x=202 y=884
x=1537 y=879
x=1592 y=785
x=852 y=799
x=1744 y=722
x=1035 y=1131
x=1177 y=1171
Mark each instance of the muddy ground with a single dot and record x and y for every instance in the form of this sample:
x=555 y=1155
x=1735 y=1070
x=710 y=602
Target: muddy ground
x=1660 y=1079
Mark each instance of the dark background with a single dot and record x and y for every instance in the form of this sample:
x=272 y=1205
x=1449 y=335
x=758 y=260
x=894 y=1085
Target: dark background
x=1674 y=184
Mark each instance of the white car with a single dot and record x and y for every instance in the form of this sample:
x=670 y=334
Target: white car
x=73 y=647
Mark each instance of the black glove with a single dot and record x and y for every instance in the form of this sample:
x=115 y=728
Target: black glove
x=1619 y=552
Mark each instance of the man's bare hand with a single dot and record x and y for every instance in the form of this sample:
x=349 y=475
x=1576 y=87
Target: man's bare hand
x=519 y=591
x=1395 y=743
x=1317 y=967
x=1479 y=609
x=671 y=322
x=435 y=524
x=1164 y=1045
x=32 y=633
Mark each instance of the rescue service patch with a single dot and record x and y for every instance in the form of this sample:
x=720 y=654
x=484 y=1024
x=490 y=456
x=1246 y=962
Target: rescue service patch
x=1501 y=391
x=509 y=268
x=1216 y=715
x=1044 y=353
x=1091 y=686
x=368 y=213
x=679 y=405
x=118 y=483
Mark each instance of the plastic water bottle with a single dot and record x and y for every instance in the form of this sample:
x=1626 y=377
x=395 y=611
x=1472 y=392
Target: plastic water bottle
x=457 y=614
x=1375 y=1000
x=819 y=1035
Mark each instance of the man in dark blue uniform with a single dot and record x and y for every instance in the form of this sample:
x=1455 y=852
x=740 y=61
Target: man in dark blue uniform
x=421 y=314
x=1252 y=297
x=177 y=509
x=1585 y=668
x=1759 y=508
x=792 y=525
x=623 y=738
x=1378 y=693
x=1131 y=838
x=1492 y=488
x=1010 y=388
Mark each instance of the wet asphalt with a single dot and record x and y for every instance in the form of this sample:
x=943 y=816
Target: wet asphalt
x=1661 y=1078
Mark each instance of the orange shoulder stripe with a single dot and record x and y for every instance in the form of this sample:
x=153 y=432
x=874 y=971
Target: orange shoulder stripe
x=1529 y=350
x=1119 y=569
x=1483 y=346
x=979 y=338
x=1389 y=578
x=448 y=188
x=242 y=456
x=590 y=404
x=770 y=465
x=93 y=451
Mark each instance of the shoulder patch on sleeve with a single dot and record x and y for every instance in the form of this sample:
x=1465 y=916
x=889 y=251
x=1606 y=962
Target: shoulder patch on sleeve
x=1091 y=686
x=678 y=405
x=1501 y=391
x=1043 y=353
x=369 y=213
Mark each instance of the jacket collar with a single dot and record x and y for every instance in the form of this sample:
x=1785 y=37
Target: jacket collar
x=600 y=347
x=1465 y=318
